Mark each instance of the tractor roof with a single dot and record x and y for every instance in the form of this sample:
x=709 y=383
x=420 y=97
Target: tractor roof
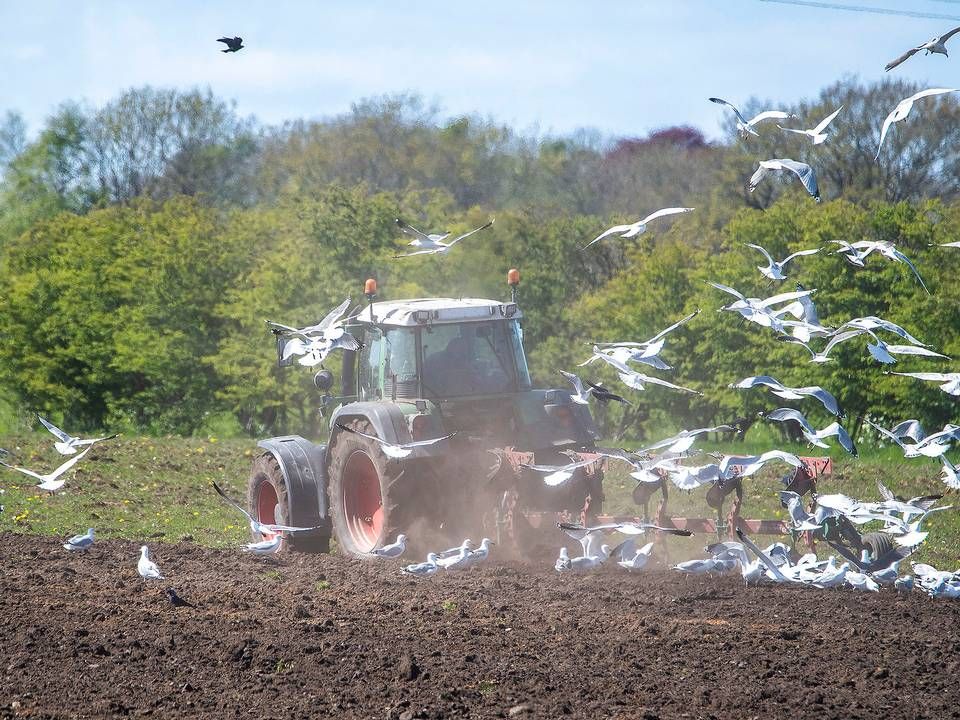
x=425 y=311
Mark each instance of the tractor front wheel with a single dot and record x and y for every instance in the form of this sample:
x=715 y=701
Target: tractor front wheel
x=269 y=502
x=362 y=500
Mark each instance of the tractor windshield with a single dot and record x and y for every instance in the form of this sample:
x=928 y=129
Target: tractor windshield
x=473 y=359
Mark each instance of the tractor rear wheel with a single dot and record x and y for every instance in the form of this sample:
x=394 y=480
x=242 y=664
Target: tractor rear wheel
x=269 y=502
x=362 y=493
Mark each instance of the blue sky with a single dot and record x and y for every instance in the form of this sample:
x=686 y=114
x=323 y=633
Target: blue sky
x=623 y=68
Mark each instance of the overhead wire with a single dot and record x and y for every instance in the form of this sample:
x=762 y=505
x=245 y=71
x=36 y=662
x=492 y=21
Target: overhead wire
x=869 y=9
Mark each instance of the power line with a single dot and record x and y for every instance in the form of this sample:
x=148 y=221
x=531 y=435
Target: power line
x=874 y=10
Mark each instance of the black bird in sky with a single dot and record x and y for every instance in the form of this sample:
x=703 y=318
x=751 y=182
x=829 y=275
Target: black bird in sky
x=233 y=44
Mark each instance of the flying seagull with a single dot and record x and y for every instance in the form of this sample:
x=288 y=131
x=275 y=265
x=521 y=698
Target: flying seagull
x=312 y=344
x=266 y=530
x=803 y=171
x=270 y=546
x=774 y=269
x=934 y=45
x=79 y=542
x=813 y=436
x=397 y=451
x=639 y=227
x=903 y=109
x=233 y=44
x=857 y=252
x=421 y=239
x=67 y=444
x=50 y=482
x=828 y=401
x=950 y=382
x=746 y=126
x=559 y=474
x=643 y=352
x=634 y=380
x=817 y=134
x=439 y=247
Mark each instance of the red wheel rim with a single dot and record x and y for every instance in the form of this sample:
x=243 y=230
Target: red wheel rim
x=267 y=504
x=362 y=503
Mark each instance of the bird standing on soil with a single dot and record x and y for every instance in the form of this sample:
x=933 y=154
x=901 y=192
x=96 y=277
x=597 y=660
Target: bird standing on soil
x=146 y=567
x=176 y=600
x=234 y=44
x=79 y=542
x=422 y=569
x=392 y=550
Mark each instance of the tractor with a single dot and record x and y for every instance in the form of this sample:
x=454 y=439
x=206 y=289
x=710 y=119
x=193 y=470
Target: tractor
x=427 y=368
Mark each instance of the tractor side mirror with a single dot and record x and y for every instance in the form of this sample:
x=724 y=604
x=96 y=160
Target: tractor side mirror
x=323 y=380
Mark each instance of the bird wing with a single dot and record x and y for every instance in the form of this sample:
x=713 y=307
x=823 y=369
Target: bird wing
x=906 y=56
x=827 y=120
x=721 y=101
x=763 y=250
x=768 y=115
x=233 y=502
x=929 y=92
x=334 y=315
x=664 y=383
x=64 y=467
x=433 y=251
x=890 y=119
x=806 y=174
x=727 y=289
x=784 y=414
x=799 y=253
x=762 y=556
x=362 y=434
x=423 y=443
x=914 y=350
x=468 y=234
x=754 y=380
x=886 y=433
x=840 y=337
x=664 y=212
x=935 y=377
x=900 y=256
x=57 y=432
x=610 y=231
x=673 y=327
x=31 y=473
x=909 y=428
x=757 y=176
x=784 y=297
x=573 y=380
x=413 y=232
x=228 y=41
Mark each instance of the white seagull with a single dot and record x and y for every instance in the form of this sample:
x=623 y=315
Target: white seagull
x=559 y=474
x=803 y=171
x=857 y=252
x=635 y=380
x=817 y=134
x=936 y=45
x=270 y=546
x=392 y=550
x=397 y=451
x=313 y=343
x=79 y=542
x=949 y=382
x=422 y=240
x=67 y=444
x=639 y=227
x=642 y=352
x=423 y=569
x=439 y=247
x=265 y=530
x=761 y=310
x=903 y=109
x=582 y=395
x=146 y=567
x=828 y=401
x=639 y=559
x=746 y=126
x=774 y=269
x=813 y=436
x=50 y=481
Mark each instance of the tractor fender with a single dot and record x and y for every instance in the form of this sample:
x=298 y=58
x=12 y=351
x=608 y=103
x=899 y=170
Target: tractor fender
x=387 y=419
x=304 y=469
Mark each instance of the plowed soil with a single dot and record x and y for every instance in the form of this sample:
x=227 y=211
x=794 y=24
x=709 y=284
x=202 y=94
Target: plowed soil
x=322 y=636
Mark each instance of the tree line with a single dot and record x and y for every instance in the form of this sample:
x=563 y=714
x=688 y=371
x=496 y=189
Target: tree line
x=143 y=243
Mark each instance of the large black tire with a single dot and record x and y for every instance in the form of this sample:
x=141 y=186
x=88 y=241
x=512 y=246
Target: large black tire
x=266 y=491
x=363 y=492
x=878 y=543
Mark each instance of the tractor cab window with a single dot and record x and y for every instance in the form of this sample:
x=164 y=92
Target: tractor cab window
x=468 y=359
x=370 y=355
x=400 y=363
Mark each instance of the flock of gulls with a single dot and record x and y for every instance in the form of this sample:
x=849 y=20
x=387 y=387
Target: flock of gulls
x=792 y=316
